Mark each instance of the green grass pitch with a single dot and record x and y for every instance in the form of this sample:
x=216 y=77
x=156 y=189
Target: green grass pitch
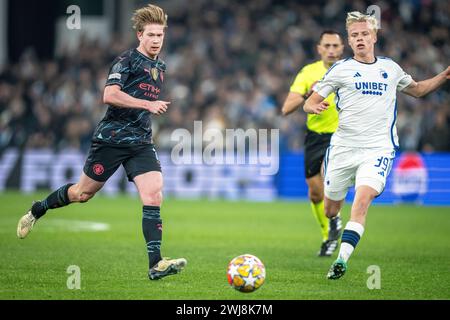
x=411 y=245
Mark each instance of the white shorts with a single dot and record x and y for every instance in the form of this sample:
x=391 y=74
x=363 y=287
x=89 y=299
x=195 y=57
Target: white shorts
x=347 y=166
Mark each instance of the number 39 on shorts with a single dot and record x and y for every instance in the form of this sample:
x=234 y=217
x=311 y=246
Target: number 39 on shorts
x=384 y=164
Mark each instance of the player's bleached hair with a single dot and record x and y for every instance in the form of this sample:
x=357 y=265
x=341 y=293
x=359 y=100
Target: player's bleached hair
x=356 y=16
x=147 y=15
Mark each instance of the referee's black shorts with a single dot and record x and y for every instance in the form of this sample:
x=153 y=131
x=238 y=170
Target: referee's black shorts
x=104 y=159
x=316 y=145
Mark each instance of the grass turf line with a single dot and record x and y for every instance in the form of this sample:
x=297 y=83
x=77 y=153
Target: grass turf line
x=409 y=244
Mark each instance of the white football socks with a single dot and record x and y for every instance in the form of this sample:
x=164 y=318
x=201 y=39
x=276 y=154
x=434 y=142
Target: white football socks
x=350 y=237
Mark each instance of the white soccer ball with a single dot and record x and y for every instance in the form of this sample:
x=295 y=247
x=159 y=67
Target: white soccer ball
x=246 y=273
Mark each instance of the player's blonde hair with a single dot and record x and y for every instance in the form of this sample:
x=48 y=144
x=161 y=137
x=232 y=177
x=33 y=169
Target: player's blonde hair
x=356 y=16
x=147 y=15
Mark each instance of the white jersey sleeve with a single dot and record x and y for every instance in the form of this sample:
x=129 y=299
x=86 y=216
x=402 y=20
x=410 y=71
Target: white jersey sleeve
x=404 y=79
x=330 y=82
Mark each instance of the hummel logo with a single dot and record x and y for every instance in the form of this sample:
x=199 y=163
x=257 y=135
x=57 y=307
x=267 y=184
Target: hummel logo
x=357 y=75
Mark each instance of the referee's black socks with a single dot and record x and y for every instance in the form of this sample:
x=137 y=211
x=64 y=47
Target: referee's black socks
x=56 y=199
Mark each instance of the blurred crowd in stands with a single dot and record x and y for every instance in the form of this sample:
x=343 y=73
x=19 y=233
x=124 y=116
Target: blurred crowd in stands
x=229 y=64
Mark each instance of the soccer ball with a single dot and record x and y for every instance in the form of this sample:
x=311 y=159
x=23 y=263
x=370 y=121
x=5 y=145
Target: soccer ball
x=246 y=273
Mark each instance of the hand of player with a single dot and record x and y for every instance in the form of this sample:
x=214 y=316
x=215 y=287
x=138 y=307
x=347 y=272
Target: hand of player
x=320 y=107
x=157 y=107
x=447 y=73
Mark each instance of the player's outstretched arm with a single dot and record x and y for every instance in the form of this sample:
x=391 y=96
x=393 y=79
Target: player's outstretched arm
x=422 y=88
x=293 y=101
x=113 y=95
x=315 y=104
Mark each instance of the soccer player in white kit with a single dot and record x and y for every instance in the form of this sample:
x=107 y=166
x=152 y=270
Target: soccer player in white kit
x=362 y=149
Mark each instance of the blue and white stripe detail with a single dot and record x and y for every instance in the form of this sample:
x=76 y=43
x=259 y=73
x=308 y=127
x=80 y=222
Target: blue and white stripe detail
x=325 y=162
x=338 y=98
x=396 y=147
x=351 y=237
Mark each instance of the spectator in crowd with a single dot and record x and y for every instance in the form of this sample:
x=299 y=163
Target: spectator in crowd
x=229 y=66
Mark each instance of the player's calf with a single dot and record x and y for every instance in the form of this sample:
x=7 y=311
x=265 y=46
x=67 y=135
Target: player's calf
x=82 y=196
x=152 y=230
x=332 y=207
x=363 y=198
x=315 y=195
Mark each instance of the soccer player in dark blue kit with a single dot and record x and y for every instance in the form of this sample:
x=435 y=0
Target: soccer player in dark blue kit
x=124 y=137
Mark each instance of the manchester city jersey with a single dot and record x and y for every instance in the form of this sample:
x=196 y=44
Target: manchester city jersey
x=141 y=78
x=366 y=101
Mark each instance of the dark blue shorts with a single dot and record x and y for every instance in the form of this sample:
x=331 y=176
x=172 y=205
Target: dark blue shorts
x=104 y=159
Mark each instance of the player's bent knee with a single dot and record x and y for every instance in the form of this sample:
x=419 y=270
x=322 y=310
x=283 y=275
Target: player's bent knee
x=315 y=197
x=371 y=187
x=152 y=199
x=332 y=207
x=333 y=202
x=366 y=194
